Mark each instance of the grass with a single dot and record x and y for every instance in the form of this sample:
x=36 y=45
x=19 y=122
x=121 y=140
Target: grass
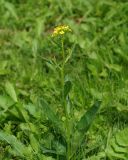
x=32 y=118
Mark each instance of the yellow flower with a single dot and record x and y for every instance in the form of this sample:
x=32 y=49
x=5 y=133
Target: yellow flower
x=60 y=30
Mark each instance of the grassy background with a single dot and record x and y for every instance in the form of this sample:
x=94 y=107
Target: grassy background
x=97 y=69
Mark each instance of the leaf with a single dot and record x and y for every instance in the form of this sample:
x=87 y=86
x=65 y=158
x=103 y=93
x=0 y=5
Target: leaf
x=51 y=115
x=47 y=158
x=67 y=88
x=23 y=114
x=31 y=108
x=84 y=124
x=18 y=147
x=99 y=156
x=87 y=119
x=10 y=91
x=6 y=102
x=39 y=27
x=34 y=143
x=29 y=127
x=60 y=149
x=115 y=67
x=118 y=145
x=35 y=47
x=121 y=53
x=11 y=9
x=122 y=138
x=3 y=69
x=69 y=56
x=4 y=72
x=93 y=69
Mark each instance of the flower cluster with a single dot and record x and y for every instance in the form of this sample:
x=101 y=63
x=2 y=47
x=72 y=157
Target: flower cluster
x=60 y=30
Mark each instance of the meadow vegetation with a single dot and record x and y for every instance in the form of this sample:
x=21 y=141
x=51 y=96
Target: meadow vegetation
x=64 y=91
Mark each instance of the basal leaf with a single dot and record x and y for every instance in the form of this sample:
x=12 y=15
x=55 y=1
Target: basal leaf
x=87 y=119
x=51 y=115
x=84 y=124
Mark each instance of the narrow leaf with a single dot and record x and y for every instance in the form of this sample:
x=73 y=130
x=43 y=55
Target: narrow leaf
x=12 y=140
x=10 y=7
x=67 y=88
x=34 y=143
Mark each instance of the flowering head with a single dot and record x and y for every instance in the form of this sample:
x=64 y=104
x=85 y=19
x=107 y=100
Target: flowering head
x=61 y=30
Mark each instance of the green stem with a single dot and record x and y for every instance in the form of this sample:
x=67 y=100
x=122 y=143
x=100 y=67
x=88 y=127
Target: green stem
x=63 y=73
x=64 y=100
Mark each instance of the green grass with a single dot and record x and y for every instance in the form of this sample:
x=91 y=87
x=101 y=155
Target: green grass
x=32 y=117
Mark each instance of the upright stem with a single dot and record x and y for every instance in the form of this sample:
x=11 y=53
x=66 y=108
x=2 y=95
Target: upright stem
x=63 y=72
x=64 y=100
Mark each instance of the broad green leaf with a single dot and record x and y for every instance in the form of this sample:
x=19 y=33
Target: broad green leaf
x=87 y=119
x=51 y=115
x=33 y=110
x=84 y=124
x=112 y=154
x=122 y=138
x=118 y=145
x=10 y=91
x=6 y=102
